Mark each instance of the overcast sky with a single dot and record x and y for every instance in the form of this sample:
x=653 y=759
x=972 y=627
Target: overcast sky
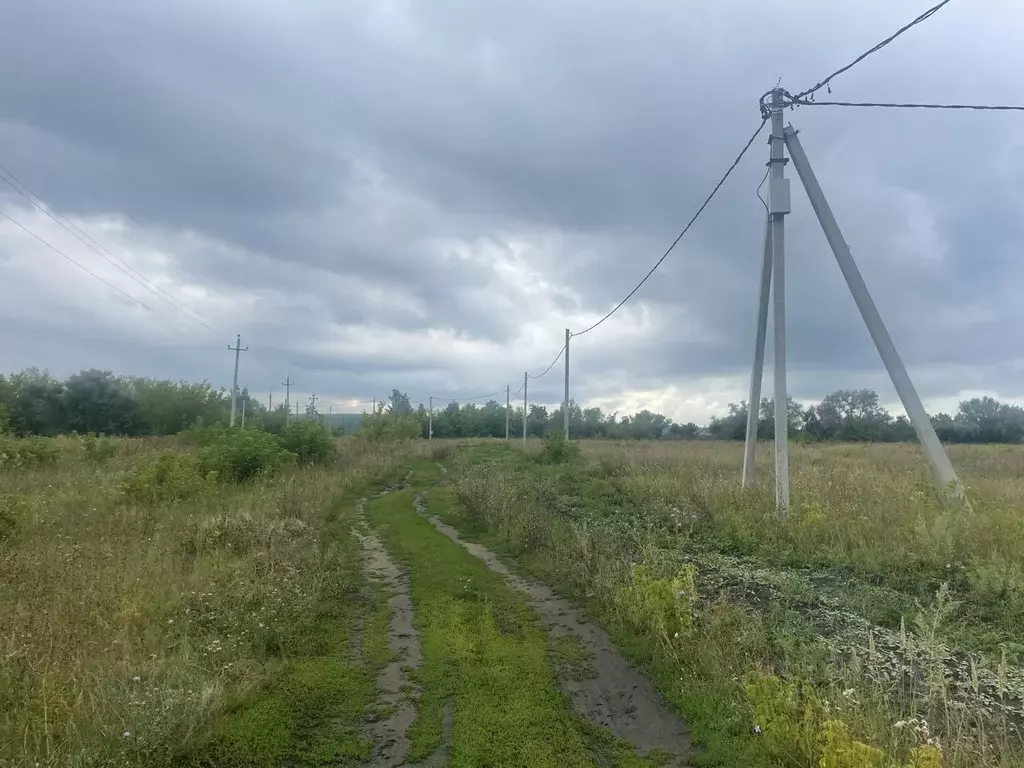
x=425 y=194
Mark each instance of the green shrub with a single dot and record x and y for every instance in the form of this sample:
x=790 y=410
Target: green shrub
x=390 y=427
x=310 y=442
x=168 y=477
x=22 y=452
x=242 y=454
x=558 y=450
x=202 y=433
x=98 y=449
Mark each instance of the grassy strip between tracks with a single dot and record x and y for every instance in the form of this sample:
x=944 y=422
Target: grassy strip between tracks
x=484 y=655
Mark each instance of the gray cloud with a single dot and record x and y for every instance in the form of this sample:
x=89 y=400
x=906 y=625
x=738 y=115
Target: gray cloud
x=390 y=193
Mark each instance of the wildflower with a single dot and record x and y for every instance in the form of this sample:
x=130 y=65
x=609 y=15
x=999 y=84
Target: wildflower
x=757 y=730
x=126 y=735
x=136 y=679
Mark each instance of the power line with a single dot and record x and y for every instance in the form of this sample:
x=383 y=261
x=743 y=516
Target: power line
x=874 y=49
x=758 y=191
x=680 y=235
x=68 y=226
x=557 y=357
x=81 y=266
x=477 y=397
x=910 y=105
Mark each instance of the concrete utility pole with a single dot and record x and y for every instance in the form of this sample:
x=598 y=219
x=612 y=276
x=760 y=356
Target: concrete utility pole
x=779 y=206
x=375 y=405
x=296 y=409
x=243 y=411
x=565 y=405
x=270 y=401
x=773 y=282
x=526 y=385
x=507 y=388
x=754 y=400
x=430 y=420
x=287 y=399
x=945 y=475
x=237 y=349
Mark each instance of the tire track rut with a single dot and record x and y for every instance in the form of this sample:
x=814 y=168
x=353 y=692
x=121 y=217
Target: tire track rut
x=397 y=694
x=615 y=695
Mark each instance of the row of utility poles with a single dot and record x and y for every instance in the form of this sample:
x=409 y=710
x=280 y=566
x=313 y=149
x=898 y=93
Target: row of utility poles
x=773 y=291
x=526 y=401
x=238 y=349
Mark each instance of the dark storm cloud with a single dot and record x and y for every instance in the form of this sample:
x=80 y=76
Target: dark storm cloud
x=337 y=159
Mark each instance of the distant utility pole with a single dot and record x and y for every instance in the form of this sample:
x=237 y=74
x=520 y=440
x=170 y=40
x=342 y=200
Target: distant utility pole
x=430 y=420
x=296 y=409
x=287 y=399
x=507 y=388
x=237 y=349
x=526 y=384
x=565 y=406
x=375 y=405
x=270 y=401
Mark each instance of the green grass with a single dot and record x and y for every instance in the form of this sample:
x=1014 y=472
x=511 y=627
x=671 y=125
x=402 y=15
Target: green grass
x=311 y=712
x=482 y=650
x=131 y=624
x=870 y=589
x=308 y=715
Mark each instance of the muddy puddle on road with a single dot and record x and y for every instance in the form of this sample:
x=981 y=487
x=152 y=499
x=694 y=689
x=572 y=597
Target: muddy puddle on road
x=397 y=694
x=611 y=692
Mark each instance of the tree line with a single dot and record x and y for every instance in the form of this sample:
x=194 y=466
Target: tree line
x=845 y=415
x=33 y=402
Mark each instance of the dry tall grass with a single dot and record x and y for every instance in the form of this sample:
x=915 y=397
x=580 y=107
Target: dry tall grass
x=907 y=615
x=125 y=628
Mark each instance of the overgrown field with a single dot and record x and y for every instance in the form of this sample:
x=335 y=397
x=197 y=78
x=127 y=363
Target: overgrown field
x=146 y=585
x=873 y=627
x=237 y=598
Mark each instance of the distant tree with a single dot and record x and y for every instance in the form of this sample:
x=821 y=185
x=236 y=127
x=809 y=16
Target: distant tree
x=986 y=420
x=766 y=418
x=167 y=407
x=36 y=406
x=537 y=421
x=398 y=403
x=848 y=414
x=900 y=430
x=97 y=401
x=732 y=426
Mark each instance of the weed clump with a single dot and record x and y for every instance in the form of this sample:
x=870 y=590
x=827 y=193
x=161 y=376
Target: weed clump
x=11 y=510
x=662 y=607
x=168 y=477
x=98 y=450
x=243 y=454
x=796 y=725
x=310 y=442
x=558 y=450
x=27 y=452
